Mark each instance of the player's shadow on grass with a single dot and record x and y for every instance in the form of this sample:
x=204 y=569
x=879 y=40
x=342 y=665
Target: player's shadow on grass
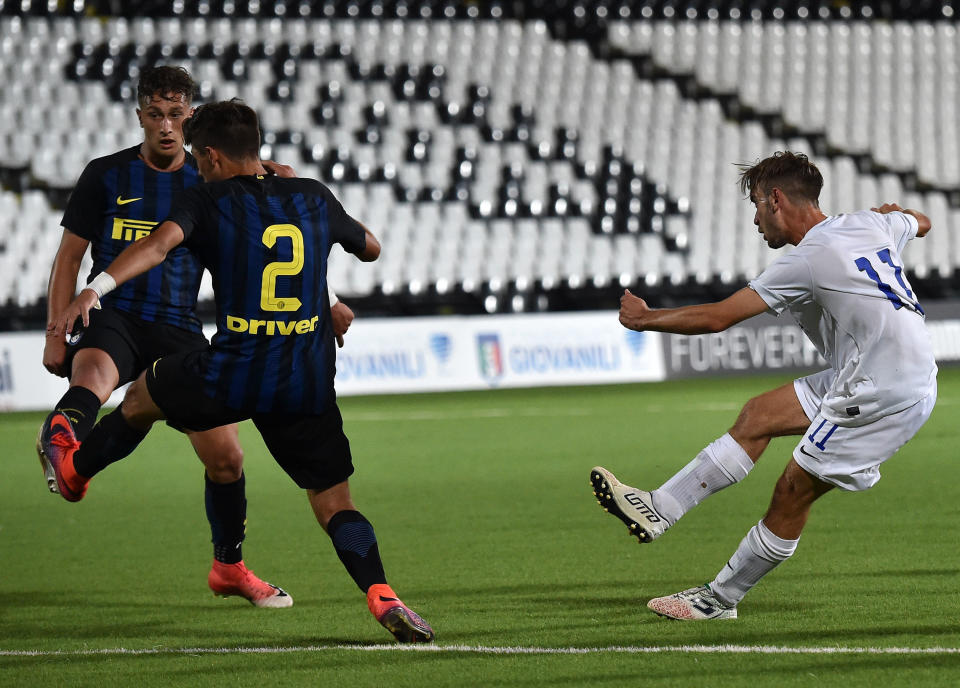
x=550 y=592
x=839 y=635
x=40 y=598
x=94 y=616
x=890 y=573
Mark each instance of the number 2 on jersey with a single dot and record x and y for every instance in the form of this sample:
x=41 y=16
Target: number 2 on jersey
x=269 y=301
x=864 y=265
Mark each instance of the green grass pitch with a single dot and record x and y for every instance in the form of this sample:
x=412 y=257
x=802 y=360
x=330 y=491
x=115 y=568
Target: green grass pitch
x=488 y=528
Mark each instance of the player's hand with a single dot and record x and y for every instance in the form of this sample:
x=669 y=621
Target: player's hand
x=887 y=208
x=633 y=311
x=55 y=353
x=278 y=169
x=78 y=308
x=341 y=316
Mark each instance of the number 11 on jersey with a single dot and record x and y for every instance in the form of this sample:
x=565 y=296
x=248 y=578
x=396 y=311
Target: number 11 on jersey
x=864 y=265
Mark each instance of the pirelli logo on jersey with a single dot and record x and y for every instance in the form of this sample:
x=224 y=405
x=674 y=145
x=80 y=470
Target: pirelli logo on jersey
x=126 y=229
x=271 y=327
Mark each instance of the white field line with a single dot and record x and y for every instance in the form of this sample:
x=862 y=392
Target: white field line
x=488 y=650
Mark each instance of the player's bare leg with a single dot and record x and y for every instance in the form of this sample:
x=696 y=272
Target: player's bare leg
x=776 y=413
x=220 y=451
x=771 y=541
x=138 y=408
x=96 y=371
x=795 y=492
x=356 y=545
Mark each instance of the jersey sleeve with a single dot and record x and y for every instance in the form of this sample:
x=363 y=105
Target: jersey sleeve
x=786 y=282
x=344 y=229
x=188 y=210
x=901 y=227
x=86 y=207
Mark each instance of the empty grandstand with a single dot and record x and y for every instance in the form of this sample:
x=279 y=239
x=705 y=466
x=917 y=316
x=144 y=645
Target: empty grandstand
x=512 y=156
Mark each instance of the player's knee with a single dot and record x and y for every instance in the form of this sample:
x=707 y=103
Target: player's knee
x=132 y=407
x=99 y=375
x=750 y=424
x=138 y=408
x=224 y=465
x=749 y=413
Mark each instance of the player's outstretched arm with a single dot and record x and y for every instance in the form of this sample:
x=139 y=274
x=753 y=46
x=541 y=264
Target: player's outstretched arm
x=371 y=251
x=923 y=222
x=635 y=314
x=134 y=260
x=60 y=289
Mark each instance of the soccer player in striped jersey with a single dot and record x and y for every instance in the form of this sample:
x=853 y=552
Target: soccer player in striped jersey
x=265 y=241
x=119 y=199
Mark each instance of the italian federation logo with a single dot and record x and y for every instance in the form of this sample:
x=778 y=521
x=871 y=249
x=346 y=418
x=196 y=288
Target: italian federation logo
x=491 y=358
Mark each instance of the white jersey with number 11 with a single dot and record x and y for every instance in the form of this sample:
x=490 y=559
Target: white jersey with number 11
x=845 y=285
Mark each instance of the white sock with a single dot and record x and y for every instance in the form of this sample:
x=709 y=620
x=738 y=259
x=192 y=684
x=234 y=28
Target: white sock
x=722 y=463
x=758 y=554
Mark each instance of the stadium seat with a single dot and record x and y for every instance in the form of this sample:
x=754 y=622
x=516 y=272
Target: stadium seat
x=613 y=148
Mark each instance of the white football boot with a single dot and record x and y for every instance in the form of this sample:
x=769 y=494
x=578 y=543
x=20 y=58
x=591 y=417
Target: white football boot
x=695 y=604
x=632 y=506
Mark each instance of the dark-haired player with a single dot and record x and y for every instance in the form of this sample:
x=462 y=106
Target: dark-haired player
x=265 y=240
x=119 y=199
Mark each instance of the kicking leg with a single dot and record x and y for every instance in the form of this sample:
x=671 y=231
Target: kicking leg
x=356 y=545
x=725 y=461
x=118 y=433
x=113 y=438
x=93 y=378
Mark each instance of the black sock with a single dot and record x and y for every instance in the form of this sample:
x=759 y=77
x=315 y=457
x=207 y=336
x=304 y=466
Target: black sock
x=356 y=545
x=227 y=513
x=110 y=440
x=81 y=406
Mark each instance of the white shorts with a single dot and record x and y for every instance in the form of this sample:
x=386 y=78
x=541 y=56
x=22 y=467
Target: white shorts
x=850 y=458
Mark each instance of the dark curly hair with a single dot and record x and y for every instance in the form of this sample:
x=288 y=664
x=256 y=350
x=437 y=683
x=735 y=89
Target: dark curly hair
x=162 y=80
x=230 y=126
x=792 y=173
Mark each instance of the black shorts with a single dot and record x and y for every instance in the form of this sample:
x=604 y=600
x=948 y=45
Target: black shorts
x=311 y=448
x=133 y=343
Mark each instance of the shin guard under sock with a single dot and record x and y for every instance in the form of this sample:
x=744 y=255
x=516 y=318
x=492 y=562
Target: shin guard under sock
x=227 y=512
x=81 y=406
x=356 y=545
x=110 y=440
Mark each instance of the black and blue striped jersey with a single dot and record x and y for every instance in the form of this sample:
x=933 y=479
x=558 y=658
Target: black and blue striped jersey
x=119 y=199
x=265 y=241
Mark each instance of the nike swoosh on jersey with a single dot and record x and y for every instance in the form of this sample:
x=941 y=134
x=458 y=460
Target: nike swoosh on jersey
x=123 y=201
x=804 y=451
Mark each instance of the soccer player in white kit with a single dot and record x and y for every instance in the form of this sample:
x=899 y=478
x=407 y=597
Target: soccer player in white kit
x=845 y=286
